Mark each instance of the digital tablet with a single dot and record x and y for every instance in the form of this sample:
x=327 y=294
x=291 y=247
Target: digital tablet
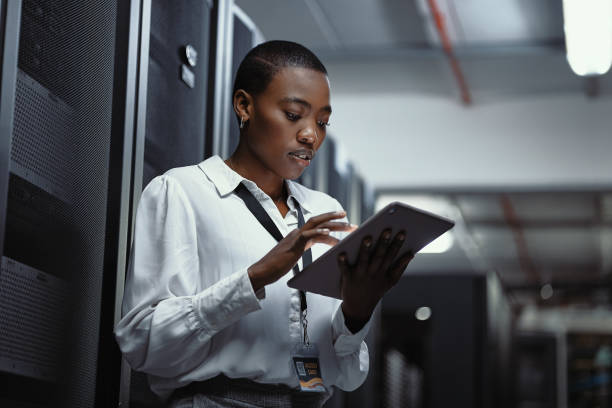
x=421 y=227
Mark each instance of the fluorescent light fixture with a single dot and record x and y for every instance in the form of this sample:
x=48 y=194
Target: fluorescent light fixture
x=588 y=35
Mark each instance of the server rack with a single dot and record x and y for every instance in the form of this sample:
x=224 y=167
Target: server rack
x=177 y=87
x=174 y=128
x=536 y=369
x=67 y=113
x=463 y=346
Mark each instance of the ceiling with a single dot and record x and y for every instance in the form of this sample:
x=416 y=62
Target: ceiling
x=531 y=120
x=496 y=43
x=527 y=174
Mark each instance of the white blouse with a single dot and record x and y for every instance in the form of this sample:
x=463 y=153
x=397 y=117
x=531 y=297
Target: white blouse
x=189 y=309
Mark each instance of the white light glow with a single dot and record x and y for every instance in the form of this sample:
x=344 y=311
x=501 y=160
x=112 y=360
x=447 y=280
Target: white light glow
x=546 y=291
x=423 y=313
x=441 y=244
x=588 y=35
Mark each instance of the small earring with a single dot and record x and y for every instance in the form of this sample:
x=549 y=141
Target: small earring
x=241 y=122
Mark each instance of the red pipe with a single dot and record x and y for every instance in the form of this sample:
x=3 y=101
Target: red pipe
x=448 y=50
x=519 y=239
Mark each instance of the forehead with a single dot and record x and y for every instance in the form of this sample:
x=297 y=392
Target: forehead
x=303 y=83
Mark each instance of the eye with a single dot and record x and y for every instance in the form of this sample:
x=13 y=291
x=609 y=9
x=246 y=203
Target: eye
x=292 y=116
x=322 y=124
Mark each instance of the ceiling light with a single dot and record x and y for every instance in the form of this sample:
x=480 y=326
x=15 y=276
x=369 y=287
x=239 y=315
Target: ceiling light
x=423 y=313
x=588 y=35
x=546 y=291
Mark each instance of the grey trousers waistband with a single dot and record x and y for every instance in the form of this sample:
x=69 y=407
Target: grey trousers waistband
x=250 y=392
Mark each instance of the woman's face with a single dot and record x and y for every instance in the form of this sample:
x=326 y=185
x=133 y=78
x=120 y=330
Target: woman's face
x=287 y=121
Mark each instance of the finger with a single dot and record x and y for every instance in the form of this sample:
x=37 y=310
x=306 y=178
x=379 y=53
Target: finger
x=314 y=232
x=319 y=235
x=393 y=250
x=399 y=266
x=324 y=239
x=363 y=259
x=338 y=226
x=319 y=219
x=378 y=254
x=343 y=265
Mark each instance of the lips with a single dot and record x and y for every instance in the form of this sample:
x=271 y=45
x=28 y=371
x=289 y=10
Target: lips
x=303 y=154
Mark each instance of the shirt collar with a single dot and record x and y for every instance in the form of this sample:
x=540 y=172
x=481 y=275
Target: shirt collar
x=226 y=180
x=296 y=191
x=222 y=176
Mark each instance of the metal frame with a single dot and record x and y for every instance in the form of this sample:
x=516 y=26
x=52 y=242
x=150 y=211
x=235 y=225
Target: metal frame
x=220 y=89
x=134 y=132
x=125 y=184
x=140 y=114
x=221 y=69
x=10 y=20
x=258 y=36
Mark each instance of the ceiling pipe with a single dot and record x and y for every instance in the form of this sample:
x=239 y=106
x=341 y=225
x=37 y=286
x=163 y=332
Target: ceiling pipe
x=519 y=239
x=448 y=50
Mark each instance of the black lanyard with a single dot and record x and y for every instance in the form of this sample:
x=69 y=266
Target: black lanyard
x=264 y=219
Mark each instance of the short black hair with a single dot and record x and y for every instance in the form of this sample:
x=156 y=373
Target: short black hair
x=265 y=60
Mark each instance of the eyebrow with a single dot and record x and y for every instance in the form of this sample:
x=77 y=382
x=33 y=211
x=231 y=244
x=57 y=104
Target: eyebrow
x=290 y=99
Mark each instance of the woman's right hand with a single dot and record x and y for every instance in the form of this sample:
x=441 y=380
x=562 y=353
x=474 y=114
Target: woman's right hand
x=288 y=251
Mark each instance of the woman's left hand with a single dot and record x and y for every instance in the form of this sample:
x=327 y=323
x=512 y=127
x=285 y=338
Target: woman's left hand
x=365 y=282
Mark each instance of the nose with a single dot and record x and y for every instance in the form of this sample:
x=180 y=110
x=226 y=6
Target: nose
x=308 y=135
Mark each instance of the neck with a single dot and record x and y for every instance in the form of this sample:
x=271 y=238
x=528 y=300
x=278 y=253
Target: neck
x=269 y=182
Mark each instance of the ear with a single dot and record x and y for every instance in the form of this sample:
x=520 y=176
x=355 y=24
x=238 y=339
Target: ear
x=243 y=104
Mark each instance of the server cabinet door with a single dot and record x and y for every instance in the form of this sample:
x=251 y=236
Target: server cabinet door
x=177 y=85
x=71 y=65
x=177 y=91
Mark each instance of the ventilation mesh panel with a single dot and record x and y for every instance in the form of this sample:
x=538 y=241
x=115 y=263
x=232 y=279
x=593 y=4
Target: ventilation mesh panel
x=61 y=141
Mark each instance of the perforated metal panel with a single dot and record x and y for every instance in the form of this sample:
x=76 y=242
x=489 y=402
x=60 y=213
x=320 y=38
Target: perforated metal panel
x=177 y=90
x=44 y=137
x=57 y=201
x=32 y=323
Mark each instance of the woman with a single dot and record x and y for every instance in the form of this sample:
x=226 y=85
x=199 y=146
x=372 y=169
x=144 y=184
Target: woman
x=207 y=312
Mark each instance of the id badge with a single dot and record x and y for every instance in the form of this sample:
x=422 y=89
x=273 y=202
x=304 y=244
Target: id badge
x=306 y=363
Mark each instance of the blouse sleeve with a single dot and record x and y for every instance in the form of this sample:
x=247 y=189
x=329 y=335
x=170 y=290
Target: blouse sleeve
x=351 y=349
x=168 y=319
